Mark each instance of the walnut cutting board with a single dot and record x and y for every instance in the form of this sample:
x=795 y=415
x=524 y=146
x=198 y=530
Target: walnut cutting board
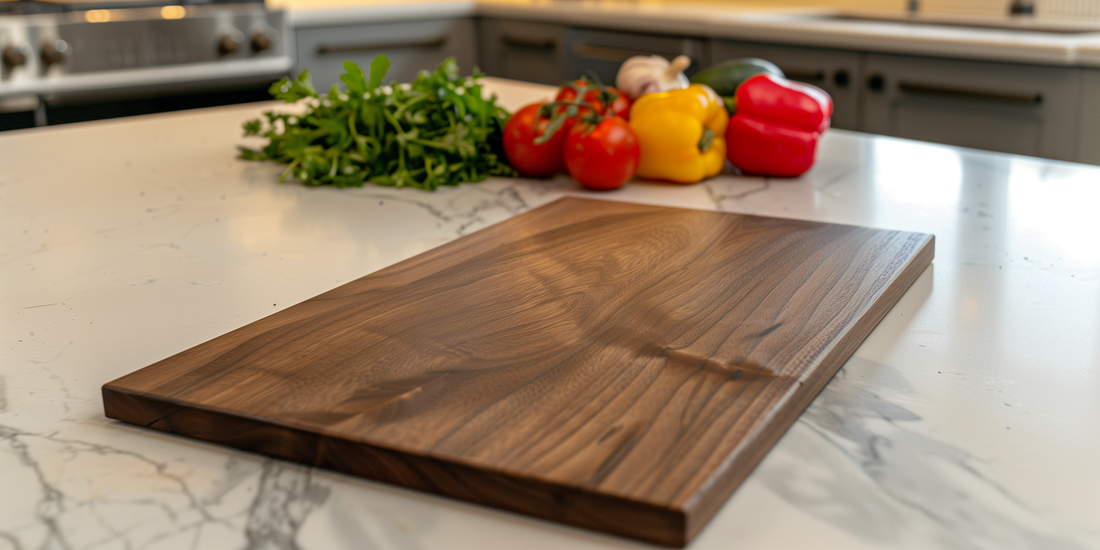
x=613 y=366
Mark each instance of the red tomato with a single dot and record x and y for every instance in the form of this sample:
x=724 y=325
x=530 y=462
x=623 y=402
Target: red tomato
x=620 y=106
x=571 y=91
x=605 y=158
x=528 y=158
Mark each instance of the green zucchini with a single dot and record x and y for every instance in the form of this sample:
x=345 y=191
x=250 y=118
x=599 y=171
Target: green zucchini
x=726 y=76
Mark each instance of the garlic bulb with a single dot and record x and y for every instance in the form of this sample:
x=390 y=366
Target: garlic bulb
x=642 y=74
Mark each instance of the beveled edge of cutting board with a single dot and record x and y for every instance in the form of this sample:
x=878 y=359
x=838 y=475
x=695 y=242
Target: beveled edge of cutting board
x=706 y=503
x=564 y=504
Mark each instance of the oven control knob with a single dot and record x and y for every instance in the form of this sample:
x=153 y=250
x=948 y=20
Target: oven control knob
x=260 y=41
x=13 y=56
x=54 y=52
x=230 y=42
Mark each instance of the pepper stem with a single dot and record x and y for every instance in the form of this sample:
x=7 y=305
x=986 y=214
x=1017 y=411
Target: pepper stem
x=707 y=140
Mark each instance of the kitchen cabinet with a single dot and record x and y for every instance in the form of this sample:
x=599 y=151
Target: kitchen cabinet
x=1043 y=111
x=1088 y=137
x=602 y=51
x=1023 y=109
x=835 y=71
x=410 y=46
x=16 y=119
x=522 y=50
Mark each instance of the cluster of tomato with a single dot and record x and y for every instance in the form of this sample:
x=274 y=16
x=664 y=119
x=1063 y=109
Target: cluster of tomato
x=584 y=130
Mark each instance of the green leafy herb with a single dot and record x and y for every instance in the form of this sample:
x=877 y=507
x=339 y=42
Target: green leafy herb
x=438 y=130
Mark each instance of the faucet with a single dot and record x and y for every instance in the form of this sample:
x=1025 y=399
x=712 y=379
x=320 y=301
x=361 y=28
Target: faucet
x=1022 y=7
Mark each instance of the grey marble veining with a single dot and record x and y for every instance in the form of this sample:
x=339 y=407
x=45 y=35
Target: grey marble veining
x=967 y=420
x=134 y=500
x=905 y=483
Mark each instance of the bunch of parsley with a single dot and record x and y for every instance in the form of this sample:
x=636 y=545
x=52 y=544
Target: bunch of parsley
x=438 y=130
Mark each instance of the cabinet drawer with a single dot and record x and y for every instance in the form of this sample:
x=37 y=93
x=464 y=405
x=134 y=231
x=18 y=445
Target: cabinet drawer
x=835 y=71
x=522 y=50
x=1023 y=109
x=602 y=52
x=410 y=47
x=1088 y=137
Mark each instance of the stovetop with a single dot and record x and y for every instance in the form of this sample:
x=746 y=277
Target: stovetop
x=87 y=47
x=29 y=7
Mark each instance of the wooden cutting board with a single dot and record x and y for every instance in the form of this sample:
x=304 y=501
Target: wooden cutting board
x=613 y=366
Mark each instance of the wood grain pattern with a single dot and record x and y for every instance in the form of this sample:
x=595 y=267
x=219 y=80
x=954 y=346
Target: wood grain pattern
x=613 y=366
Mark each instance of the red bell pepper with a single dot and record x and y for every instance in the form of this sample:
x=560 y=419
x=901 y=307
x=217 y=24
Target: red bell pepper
x=776 y=126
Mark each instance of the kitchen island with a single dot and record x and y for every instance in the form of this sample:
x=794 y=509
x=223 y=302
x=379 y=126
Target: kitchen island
x=968 y=419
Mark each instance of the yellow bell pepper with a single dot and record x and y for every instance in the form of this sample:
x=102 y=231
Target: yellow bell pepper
x=682 y=134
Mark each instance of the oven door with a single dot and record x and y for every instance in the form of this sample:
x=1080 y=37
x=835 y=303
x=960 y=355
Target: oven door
x=211 y=55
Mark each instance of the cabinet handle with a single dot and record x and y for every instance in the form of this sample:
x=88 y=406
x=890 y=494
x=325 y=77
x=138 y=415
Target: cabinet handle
x=327 y=49
x=876 y=83
x=931 y=89
x=841 y=79
x=604 y=53
x=532 y=43
x=808 y=76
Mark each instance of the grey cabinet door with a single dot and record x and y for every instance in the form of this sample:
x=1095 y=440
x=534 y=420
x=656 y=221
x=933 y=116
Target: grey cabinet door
x=409 y=45
x=835 y=71
x=1088 y=136
x=522 y=50
x=1023 y=109
x=602 y=52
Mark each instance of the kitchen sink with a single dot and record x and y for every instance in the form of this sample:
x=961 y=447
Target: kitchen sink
x=1004 y=23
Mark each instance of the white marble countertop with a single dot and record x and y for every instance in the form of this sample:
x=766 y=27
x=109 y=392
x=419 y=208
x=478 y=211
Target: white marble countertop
x=969 y=419
x=735 y=20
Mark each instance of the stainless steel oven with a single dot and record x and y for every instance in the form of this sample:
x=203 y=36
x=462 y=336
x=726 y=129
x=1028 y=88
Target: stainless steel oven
x=73 y=60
